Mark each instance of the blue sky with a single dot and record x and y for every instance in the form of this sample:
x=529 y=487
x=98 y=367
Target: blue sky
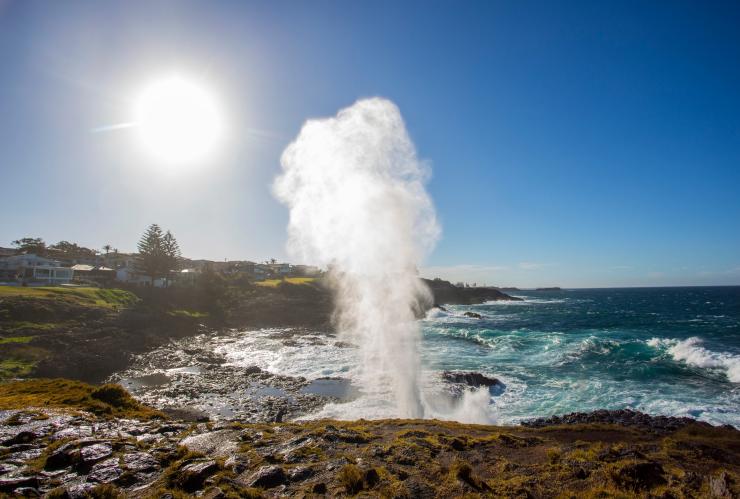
x=573 y=144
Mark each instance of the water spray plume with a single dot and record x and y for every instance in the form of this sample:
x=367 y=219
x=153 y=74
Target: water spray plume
x=355 y=189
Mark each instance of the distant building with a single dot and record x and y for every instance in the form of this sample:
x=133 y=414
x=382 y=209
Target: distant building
x=187 y=277
x=130 y=275
x=279 y=269
x=7 y=252
x=116 y=260
x=34 y=269
x=98 y=274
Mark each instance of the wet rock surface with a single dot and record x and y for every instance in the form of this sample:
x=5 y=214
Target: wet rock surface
x=75 y=454
x=194 y=379
x=470 y=378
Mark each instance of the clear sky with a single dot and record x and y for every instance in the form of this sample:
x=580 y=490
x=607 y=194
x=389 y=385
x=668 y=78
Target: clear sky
x=571 y=143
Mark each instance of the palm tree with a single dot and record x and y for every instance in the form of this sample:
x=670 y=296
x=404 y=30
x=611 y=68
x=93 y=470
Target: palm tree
x=107 y=248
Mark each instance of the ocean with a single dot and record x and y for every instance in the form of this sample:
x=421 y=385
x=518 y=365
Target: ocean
x=667 y=351
x=670 y=351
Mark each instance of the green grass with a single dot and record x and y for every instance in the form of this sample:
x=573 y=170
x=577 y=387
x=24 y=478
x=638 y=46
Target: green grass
x=10 y=368
x=105 y=400
x=12 y=326
x=188 y=313
x=16 y=339
x=87 y=296
x=272 y=283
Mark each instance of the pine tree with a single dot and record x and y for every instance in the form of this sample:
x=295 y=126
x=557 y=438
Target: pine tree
x=152 y=259
x=171 y=253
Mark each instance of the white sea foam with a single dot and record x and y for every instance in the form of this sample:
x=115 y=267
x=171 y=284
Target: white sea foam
x=525 y=301
x=693 y=353
x=358 y=206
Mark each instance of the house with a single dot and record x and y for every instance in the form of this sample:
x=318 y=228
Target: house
x=130 y=275
x=116 y=260
x=187 y=277
x=279 y=269
x=30 y=269
x=98 y=274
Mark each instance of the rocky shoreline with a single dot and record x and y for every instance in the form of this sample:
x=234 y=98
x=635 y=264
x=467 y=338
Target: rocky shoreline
x=60 y=453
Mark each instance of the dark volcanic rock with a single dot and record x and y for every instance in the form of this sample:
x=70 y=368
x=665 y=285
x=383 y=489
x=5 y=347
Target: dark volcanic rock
x=105 y=471
x=469 y=378
x=140 y=461
x=447 y=293
x=22 y=437
x=300 y=473
x=473 y=315
x=640 y=476
x=62 y=457
x=624 y=417
x=95 y=452
x=13 y=483
x=191 y=476
x=267 y=477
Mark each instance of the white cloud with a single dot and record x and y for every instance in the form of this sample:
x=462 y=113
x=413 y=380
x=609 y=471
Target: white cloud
x=531 y=265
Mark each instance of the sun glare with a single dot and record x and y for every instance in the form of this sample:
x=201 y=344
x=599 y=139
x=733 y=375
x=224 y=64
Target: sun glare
x=178 y=121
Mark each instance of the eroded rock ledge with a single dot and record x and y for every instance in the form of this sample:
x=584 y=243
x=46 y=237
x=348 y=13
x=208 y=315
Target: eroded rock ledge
x=65 y=454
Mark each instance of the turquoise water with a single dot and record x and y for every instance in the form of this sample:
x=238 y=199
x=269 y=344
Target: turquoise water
x=671 y=351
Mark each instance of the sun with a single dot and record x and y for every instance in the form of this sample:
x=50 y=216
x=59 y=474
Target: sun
x=178 y=121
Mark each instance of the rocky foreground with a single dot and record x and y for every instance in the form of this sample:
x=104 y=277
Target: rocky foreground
x=98 y=442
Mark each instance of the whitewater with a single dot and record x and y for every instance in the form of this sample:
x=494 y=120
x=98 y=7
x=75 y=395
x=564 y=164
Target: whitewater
x=670 y=351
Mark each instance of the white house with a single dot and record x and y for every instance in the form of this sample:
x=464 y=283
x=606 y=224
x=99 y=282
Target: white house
x=32 y=268
x=129 y=275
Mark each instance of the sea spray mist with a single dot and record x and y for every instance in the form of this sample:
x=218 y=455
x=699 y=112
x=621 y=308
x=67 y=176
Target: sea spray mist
x=355 y=190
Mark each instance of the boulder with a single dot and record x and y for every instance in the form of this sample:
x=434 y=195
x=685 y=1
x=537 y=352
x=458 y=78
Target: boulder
x=192 y=476
x=22 y=437
x=267 y=477
x=719 y=486
x=220 y=443
x=95 y=452
x=300 y=473
x=62 y=457
x=140 y=461
x=17 y=482
x=105 y=471
x=470 y=378
x=473 y=315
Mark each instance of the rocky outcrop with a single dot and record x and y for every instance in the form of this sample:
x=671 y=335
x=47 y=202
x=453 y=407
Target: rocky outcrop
x=444 y=292
x=470 y=378
x=81 y=455
x=623 y=417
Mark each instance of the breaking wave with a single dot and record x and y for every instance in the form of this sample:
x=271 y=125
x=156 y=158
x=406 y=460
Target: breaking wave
x=693 y=353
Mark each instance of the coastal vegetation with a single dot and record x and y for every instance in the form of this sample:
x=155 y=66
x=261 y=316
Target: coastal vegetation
x=83 y=296
x=271 y=283
x=107 y=400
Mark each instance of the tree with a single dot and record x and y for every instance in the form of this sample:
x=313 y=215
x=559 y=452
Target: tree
x=107 y=248
x=34 y=245
x=171 y=253
x=72 y=250
x=151 y=260
x=159 y=254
